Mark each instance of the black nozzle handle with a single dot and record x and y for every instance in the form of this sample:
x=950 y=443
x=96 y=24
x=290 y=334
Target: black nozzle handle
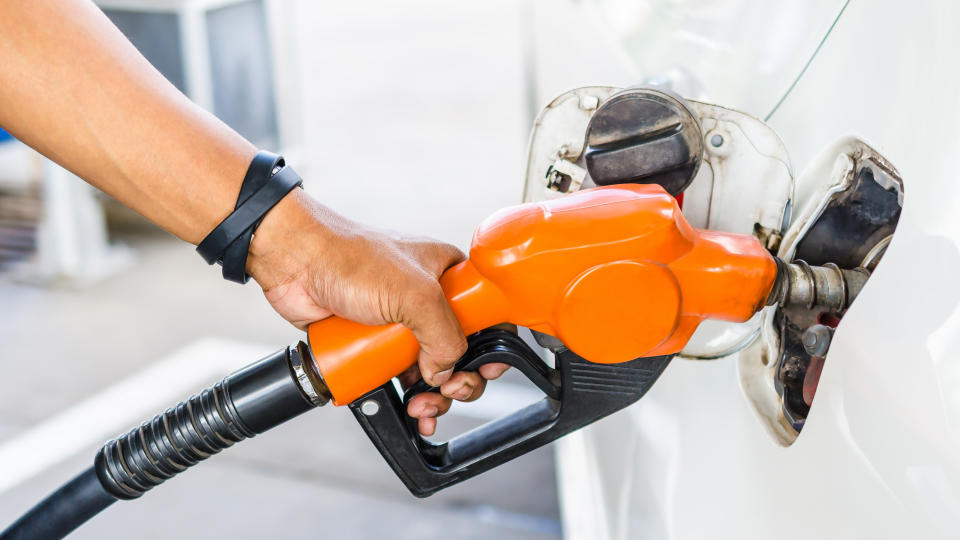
x=577 y=393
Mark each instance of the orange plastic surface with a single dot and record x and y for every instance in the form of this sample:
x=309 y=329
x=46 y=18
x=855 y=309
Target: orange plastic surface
x=615 y=273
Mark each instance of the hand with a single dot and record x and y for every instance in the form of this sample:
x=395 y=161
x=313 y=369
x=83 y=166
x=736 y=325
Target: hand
x=313 y=263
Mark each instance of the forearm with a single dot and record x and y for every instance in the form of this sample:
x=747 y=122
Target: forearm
x=74 y=88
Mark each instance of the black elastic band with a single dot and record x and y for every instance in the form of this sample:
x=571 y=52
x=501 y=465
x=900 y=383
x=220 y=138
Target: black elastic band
x=229 y=242
x=234 y=259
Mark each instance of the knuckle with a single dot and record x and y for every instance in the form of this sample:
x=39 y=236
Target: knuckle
x=447 y=355
x=424 y=294
x=444 y=406
x=458 y=348
x=449 y=254
x=432 y=290
x=478 y=391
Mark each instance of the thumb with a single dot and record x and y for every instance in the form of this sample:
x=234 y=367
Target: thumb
x=437 y=329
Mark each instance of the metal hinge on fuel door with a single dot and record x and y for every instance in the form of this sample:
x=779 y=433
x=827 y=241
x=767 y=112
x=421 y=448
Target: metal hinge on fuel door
x=730 y=171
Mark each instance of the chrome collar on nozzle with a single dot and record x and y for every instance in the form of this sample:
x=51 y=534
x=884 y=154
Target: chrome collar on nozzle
x=827 y=286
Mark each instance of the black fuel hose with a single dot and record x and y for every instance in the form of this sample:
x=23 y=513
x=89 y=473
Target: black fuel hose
x=250 y=401
x=63 y=510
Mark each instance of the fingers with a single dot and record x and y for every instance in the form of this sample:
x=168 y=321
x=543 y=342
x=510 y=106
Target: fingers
x=434 y=325
x=425 y=408
x=436 y=257
x=428 y=404
x=427 y=426
x=493 y=371
x=464 y=386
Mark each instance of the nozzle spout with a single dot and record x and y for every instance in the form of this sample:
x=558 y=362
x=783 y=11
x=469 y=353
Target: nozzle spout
x=827 y=286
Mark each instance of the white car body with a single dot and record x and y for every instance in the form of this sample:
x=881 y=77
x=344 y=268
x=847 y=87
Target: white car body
x=879 y=456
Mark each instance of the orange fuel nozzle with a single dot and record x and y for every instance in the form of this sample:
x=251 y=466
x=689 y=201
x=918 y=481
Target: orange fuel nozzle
x=615 y=273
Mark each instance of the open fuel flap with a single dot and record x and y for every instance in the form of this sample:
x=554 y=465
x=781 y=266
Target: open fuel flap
x=849 y=202
x=731 y=172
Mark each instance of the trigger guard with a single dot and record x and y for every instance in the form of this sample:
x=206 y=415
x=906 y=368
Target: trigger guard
x=498 y=346
x=588 y=392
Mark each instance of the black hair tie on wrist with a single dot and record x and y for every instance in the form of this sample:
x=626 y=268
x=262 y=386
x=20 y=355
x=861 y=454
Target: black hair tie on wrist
x=268 y=180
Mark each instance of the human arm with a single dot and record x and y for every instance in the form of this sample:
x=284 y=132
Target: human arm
x=75 y=89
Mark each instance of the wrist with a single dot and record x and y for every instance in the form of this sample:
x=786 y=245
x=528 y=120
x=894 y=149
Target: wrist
x=289 y=238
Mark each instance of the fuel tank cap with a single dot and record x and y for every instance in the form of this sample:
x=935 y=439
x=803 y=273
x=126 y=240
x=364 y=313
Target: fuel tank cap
x=644 y=136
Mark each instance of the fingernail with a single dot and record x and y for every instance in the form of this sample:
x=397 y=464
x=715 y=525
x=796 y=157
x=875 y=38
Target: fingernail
x=463 y=393
x=441 y=377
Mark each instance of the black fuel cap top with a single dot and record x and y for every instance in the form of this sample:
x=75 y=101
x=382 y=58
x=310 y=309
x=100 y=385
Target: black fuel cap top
x=644 y=136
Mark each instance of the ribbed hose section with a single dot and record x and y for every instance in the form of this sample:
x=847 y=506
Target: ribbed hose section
x=247 y=402
x=180 y=437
